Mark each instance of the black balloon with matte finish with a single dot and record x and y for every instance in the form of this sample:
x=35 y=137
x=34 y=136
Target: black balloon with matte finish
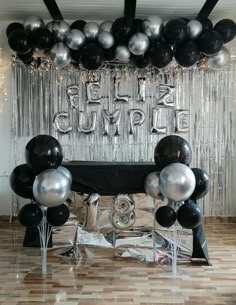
x=21 y=181
x=18 y=41
x=175 y=31
x=27 y=57
x=187 y=54
x=30 y=215
x=186 y=20
x=165 y=216
x=122 y=28
x=58 y=216
x=109 y=54
x=210 y=42
x=160 y=55
x=14 y=26
x=207 y=25
x=42 y=38
x=227 y=29
x=138 y=24
x=172 y=149
x=141 y=61
x=202 y=183
x=43 y=152
x=189 y=215
x=92 y=56
x=78 y=25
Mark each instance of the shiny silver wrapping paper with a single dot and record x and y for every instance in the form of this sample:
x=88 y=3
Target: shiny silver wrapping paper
x=207 y=97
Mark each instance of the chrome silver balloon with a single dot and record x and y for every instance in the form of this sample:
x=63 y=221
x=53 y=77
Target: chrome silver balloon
x=91 y=30
x=177 y=182
x=105 y=26
x=219 y=60
x=123 y=222
x=60 y=55
x=59 y=29
x=136 y=117
x=106 y=40
x=109 y=119
x=152 y=27
x=91 y=203
x=138 y=44
x=59 y=122
x=194 y=28
x=33 y=22
x=74 y=39
x=50 y=25
x=152 y=187
x=123 y=204
x=66 y=172
x=122 y=53
x=51 y=187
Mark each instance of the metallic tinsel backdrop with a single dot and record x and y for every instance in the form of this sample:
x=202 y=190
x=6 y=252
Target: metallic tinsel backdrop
x=200 y=106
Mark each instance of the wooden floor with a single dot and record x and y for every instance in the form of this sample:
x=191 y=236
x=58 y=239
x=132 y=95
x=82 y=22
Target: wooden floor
x=107 y=281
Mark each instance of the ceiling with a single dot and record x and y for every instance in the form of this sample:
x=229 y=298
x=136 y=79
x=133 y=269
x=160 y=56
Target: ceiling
x=111 y=9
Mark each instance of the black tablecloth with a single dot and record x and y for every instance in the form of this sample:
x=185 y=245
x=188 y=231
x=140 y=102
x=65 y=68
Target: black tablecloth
x=109 y=178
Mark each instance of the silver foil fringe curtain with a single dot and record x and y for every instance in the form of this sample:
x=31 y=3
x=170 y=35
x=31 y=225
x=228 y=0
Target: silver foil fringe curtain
x=76 y=107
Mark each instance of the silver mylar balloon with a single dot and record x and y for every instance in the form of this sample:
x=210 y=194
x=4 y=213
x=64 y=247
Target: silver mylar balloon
x=152 y=27
x=177 y=182
x=219 y=60
x=123 y=204
x=60 y=55
x=66 y=172
x=49 y=25
x=138 y=44
x=123 y=222
x=151 y=186
x=59 y=29
x=194 y=29
x=51 y=187
x=74 y=39
x=91 y=30
x=33 y=22
x=122 y=53
x=106 y=40
x=105 y=26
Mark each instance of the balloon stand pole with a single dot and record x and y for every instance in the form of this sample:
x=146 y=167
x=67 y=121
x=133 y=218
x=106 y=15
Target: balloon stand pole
x=154 y=232
x=174 y=251
x=45 y=231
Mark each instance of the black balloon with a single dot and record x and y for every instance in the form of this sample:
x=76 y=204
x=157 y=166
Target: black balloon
x=227 y=29
x=21 y=181
x=210 y=42
x=27 y=57
x=138 y=23
x=109 y=53
x=187 y=54
x=202 y=184
x=189 y=215
x=14 y=26
x=43 y=152
x=141 y=61
x=58 y=216
x=92 y=56
x=122 y=29
x=42 y=38
x=165 y=216
x=18 y=41
x=186 y=20
x=206 y=24
x=172 y=149
x=78 y=25
x=175 y=31
x=30 y=215
x=160 y=55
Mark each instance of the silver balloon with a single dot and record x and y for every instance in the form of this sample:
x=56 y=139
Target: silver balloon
x=33 y=22
x=105 y=26
x=51 y=188
x=58 y=118
x=194 y=28
x=66 y=172
x=91 y=30
x=137 y=118
x=152 y=27
x=111 y=119
x=177 y=182
x=60 y=55
x=93 y=90
x=87 y=125
x=138 y=44
x=73 y=92
x=106 y=40
x=59 y=29
x=122 y=53
x=219 y=60
x=123 y=204
x=151 y=186
x=123 y=222
x=156 y=118
x=50 y=25
x=74 y=39
x=141 y=90
x=91 y=202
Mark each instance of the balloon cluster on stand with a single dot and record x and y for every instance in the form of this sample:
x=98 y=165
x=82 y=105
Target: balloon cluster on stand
x=47 y=184
x=140 y=42
x=174 y=180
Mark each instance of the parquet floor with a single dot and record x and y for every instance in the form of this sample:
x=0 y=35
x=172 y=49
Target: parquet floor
x=115 y=281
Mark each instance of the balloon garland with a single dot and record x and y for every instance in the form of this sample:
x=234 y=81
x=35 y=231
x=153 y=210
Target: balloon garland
x=126 y=40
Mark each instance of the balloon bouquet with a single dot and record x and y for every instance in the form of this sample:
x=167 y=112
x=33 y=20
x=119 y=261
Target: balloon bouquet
x=47 y=184
x=174 y=180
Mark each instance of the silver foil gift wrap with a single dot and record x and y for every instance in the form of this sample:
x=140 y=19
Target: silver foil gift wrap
x=197 y=103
